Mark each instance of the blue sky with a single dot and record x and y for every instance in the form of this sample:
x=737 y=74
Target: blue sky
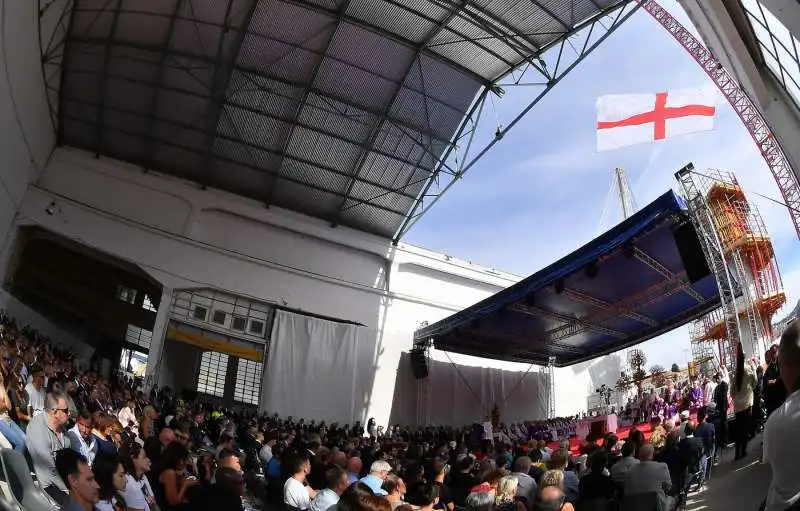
x=540 y=192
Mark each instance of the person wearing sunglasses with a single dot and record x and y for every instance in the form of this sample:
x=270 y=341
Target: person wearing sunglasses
x=46 y=436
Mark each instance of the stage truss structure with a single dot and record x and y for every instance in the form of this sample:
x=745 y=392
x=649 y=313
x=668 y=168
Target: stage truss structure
x=744 y=264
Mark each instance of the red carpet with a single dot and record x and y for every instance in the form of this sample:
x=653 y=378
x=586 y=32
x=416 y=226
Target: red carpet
x=622 y=434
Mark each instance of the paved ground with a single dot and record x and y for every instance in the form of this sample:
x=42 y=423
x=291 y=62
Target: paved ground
x=734 y=485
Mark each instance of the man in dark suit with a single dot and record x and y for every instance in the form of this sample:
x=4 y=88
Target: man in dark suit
x=721 y=405
x=691 y=449
x=650 y=476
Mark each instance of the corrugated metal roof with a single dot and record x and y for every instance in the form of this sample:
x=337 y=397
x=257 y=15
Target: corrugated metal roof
x=338 y=109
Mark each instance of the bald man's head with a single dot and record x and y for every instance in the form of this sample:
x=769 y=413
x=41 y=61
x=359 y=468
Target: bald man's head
x=354 y=465
x=551 y=498
x=646 y=452
x=789 y=356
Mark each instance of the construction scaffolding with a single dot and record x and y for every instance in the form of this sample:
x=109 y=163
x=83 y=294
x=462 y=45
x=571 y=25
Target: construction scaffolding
x=750 y=261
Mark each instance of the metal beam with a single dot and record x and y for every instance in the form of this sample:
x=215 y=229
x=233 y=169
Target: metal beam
x=109 y=44
x=419 y=209
x=246 y=72
x=219 y=157
x=571 y=321
x=224 y=66
x=184 y=126
x=379 y=121
x=654 y=293
x=389 y=35
x=162 y=66
x=306 y=93
x=655 y=264
x=604 y=305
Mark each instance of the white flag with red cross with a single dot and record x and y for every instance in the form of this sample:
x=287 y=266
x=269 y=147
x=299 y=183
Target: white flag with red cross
x=629 y=119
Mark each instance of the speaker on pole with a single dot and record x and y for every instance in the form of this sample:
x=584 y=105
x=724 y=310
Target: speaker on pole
x=691 y=252
x=419 y=363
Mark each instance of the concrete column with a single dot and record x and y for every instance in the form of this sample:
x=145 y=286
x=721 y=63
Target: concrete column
x=157 y=343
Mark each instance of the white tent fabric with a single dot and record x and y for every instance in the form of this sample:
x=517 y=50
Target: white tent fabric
x=318 y=369
x=461 y=394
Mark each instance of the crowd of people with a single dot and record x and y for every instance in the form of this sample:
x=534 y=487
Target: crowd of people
x=106 y=443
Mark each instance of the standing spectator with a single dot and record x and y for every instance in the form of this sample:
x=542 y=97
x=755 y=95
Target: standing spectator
x=773 y=385
x=744 y=384
x=45 y=437
x=83 y=490
x=781 y=448
x=721 y=405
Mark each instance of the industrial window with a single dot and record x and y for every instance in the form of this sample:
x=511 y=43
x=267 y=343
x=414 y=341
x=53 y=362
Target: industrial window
x=126 y=294
x=777 y=45
x=248 y=382
x=139 y=336
x=147 y=304
x=256 y=327
x=199 y=313
x=219 y=317
x=213 y=368
x=238 y=323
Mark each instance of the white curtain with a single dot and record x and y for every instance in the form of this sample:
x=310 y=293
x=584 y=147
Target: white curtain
x=463 y=394
x=318 y=369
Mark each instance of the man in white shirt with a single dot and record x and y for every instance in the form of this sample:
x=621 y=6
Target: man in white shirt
x=781 y=448
x=296 y=495
x=35 y=390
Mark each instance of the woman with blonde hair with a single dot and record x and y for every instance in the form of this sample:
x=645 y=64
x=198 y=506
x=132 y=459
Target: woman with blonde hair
x=553 y=478
x=504 y=499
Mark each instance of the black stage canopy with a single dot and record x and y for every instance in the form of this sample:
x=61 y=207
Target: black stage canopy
x=644 y=277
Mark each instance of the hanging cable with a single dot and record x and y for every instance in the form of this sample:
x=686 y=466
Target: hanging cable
x=466 y=382
x=606 y=206
x=519 y=382
x=776 y=201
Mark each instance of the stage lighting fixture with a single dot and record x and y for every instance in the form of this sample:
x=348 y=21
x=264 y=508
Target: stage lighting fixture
x=559 y=286
x=591 y=270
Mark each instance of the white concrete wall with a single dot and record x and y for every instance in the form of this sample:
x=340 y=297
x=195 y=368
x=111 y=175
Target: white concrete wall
x=26 y=134
x=189 y=238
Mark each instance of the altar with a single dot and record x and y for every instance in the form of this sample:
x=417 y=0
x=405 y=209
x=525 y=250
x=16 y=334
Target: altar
x=599 y=426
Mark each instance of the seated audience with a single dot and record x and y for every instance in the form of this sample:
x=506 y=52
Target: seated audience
x=296 y=494
x=336 y=484
x=138 y=493
x=558 y=461
x=45 y=436
x=378 y=472
x=649 y=476
x=552 y=498
x=110 y=476
x=619 y=471
x=597 y=484
x=82 y=490
x=81 y=438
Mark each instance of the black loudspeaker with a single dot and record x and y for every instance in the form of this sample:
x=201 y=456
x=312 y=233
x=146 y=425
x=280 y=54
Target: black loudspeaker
x=691 y=252
x=419 y=364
